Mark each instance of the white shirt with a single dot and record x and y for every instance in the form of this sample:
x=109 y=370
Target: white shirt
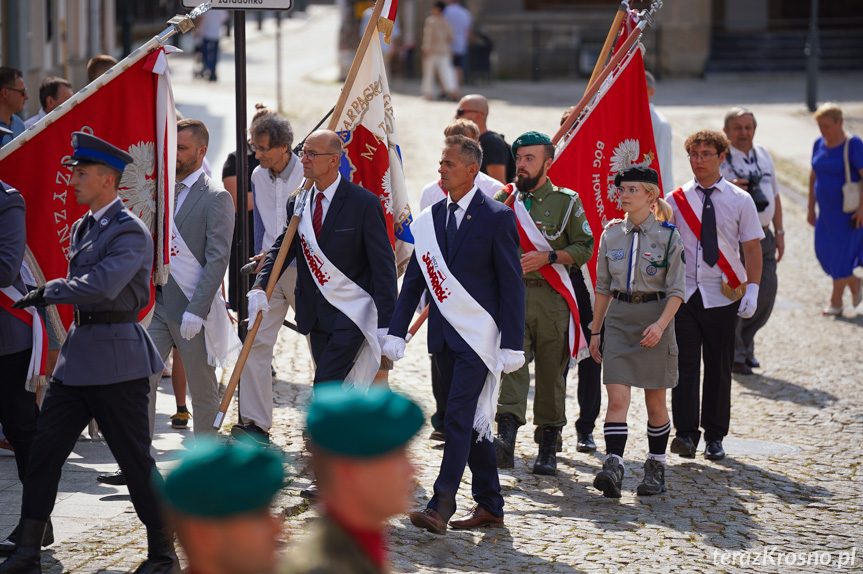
x=30 y=121
x=433 y=192
x=462 y=203
x=272 y=195
x=187 y=184
x=461 y=21
x=759 y=161
x=328 y=194
x=662 y=139
x=96 y=216
x=736 y=222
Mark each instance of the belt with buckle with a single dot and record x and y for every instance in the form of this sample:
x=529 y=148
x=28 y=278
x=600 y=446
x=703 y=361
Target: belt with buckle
x=533 y=282
x=104 y=317
x=645 y=298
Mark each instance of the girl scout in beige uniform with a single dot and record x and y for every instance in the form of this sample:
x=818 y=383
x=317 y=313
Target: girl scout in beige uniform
x=640 y=284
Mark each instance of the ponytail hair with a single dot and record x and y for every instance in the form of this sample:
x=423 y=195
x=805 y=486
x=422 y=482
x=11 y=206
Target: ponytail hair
x=661 y=210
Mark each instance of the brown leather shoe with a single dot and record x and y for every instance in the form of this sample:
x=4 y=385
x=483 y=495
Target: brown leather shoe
x=429 y=519
x=478 y=516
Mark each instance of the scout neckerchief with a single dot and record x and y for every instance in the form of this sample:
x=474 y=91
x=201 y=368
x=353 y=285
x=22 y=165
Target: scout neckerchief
x=734 y=274
x=470 y=320
x=531 y=239
x=346 y=296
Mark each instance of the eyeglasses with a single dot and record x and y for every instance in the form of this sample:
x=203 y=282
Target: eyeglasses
x=701 y=156
x=461 y=111
x=629 y=190
x=20 y=91
x=256 y=149
x=312 y=154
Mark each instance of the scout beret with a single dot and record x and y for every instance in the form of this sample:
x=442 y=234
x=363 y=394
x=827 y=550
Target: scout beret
x=216 y=480
x=530 y=138
x=355 y=424
x=642 y=174
x=91 y=150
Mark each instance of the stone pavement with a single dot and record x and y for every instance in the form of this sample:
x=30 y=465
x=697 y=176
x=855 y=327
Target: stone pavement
x=787 y=494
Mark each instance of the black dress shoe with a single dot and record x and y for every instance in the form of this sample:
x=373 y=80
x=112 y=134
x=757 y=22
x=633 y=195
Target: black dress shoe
x=310 y=493
x=684 y=446
x=438 y=435
x=714 y=450
x=114 y=478
x=741 y=369
x=585 y=443
x=753 y=362
x=7 y=547
x=250 y=434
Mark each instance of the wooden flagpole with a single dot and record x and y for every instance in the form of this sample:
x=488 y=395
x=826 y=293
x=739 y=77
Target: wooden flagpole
x=609 y=42
x=290 y=232
x=645 y=20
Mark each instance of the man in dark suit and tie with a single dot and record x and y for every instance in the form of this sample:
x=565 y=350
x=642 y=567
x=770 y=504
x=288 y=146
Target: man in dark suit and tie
x=351 y=232
x=104 y=365
x=468 y=245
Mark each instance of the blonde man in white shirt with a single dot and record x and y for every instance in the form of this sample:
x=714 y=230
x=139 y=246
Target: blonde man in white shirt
x=749 y=166
x=714 y=217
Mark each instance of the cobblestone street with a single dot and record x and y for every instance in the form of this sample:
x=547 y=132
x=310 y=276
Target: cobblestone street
x=786 y=499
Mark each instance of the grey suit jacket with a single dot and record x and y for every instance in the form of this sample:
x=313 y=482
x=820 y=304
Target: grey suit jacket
x=15 y=335
x=109 y=270
x=206 y=222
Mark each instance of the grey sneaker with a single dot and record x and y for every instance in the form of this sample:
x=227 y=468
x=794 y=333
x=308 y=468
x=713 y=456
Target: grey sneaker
x=654 y=479
x=610 y=478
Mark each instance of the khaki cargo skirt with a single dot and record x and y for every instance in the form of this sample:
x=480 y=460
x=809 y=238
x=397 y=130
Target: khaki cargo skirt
x=624 y=360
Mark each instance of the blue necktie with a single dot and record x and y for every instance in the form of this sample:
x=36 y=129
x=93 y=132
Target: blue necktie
x=709 y=242
x=451 y=230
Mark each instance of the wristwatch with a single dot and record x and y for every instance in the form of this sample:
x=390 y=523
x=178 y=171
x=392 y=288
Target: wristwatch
x=552 y=257
x=779 y=232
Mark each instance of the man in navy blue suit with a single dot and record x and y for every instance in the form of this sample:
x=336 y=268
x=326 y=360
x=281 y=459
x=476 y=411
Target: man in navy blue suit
x=467 y=247
x=352 y=234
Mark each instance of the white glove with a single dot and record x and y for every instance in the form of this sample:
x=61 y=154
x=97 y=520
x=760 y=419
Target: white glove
x=382 y=336
x=190 y=326
x=393 y=347
x=509 y=360
x=257 y=302
x=749 y=302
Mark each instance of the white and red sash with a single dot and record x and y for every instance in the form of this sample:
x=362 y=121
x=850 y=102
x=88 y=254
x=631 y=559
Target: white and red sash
x=470 y=320
x=734 y=273
x=38 y=356
x=221 y=341
x=531 y=239
x=346 y=296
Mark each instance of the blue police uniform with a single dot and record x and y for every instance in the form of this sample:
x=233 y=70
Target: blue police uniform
x=104 y=364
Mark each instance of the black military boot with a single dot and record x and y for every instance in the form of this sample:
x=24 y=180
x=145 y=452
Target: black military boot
x=7 y=547
x=28 y=548
x=546 y=460
x=504 y=442
x=537 y=436
x=161 y=556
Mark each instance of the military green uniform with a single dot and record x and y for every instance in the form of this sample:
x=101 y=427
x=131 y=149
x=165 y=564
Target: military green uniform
x=641 y=267
x=559 y=216
x=328 y=549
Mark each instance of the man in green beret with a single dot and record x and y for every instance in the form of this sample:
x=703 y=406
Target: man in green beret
x=358 y=443
x=559 y=237
x=218 y=499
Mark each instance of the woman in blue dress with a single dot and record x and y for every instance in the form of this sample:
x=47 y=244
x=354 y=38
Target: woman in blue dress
x=838 y=235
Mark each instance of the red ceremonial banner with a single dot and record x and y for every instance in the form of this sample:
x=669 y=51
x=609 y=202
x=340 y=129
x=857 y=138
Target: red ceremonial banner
x=122 y=112
x=615 y=135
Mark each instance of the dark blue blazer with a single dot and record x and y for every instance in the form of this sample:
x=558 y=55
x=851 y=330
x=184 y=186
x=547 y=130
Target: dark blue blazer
x=485 y=261
x=354 y=238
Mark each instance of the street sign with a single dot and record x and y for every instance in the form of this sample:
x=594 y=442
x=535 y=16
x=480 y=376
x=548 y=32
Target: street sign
x=242 y=4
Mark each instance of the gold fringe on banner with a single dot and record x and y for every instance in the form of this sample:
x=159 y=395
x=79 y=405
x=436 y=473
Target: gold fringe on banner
x=385 y=27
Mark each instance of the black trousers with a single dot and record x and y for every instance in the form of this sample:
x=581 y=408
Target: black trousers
x=121 y=412
x=462 y=379
x=707 y=333
x=589 y=371
x=18 y=410
x=335 y=352
x=439 y=415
